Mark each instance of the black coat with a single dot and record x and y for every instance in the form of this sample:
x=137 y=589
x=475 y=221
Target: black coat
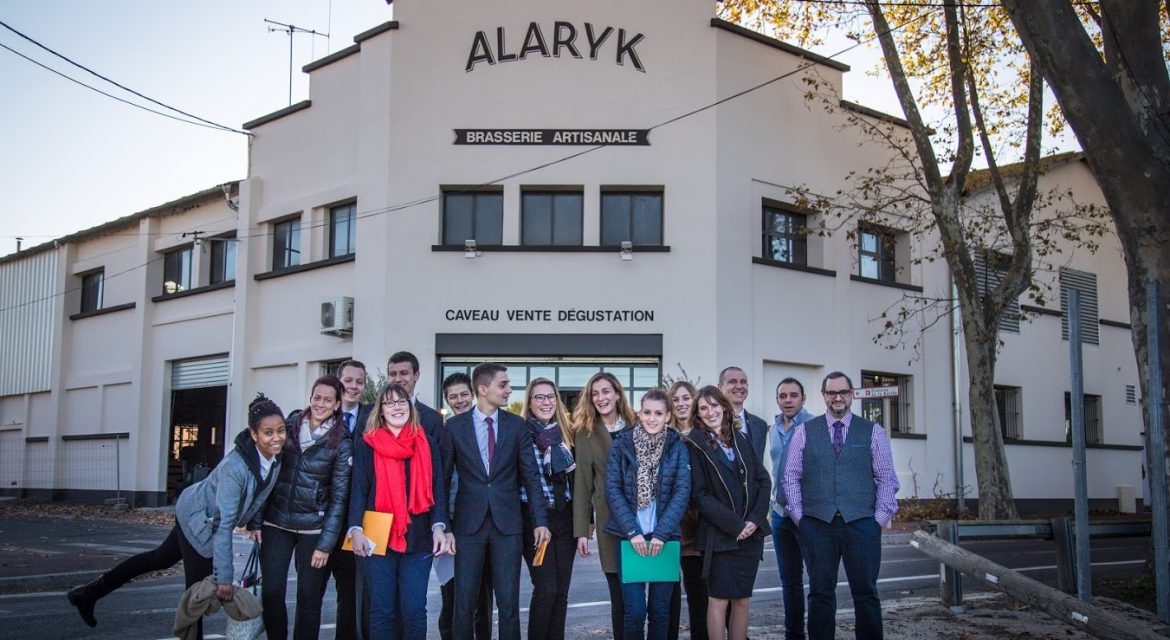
x=363 y=493
x=313 y=488
x=757 y=431
x=727 y=494
x=430 y=419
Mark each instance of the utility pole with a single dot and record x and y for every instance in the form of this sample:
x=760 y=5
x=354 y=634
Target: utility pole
x=291 y=30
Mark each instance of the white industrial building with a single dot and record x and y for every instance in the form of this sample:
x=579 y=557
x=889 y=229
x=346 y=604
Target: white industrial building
x=442 y=192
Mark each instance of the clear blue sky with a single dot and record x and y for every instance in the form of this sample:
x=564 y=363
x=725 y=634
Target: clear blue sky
x=74 y=159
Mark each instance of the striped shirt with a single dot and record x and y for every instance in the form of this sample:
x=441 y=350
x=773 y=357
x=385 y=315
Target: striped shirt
x=883 y=471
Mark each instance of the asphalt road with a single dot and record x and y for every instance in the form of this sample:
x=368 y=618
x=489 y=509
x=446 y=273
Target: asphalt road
x=145 y=610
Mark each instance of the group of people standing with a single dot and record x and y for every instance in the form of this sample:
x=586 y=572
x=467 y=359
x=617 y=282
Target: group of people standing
x=491 y=488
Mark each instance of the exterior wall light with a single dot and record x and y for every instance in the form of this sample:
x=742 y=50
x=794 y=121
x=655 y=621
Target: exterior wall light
x=469 y=251
x=627 y=251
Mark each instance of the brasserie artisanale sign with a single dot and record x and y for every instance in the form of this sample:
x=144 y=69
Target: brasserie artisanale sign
x=626 y=137
x=566 y=39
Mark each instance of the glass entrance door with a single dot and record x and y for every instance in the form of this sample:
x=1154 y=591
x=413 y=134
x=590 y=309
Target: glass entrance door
x=570 y=374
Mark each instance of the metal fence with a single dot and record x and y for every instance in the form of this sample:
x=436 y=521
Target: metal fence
x=88 y=467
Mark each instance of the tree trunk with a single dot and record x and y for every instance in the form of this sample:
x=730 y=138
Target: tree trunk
x=991 y=468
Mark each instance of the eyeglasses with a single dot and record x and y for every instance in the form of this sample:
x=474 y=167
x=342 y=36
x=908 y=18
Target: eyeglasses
x=395 y=403
x=844 y=393
x=541 y=397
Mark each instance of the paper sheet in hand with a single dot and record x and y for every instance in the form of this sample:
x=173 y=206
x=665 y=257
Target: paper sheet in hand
x=662 y=568
x=376 y=527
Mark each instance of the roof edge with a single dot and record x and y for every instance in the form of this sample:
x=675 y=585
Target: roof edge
x=276 y=115
x=380 y=29
x=874 y=113
x=331 y=58
x=778 y=44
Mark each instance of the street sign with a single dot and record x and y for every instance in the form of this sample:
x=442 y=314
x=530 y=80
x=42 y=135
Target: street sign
x=869 y=393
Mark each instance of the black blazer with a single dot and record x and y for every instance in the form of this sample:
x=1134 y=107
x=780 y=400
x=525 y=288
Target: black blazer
x=363 y=414
x=757 y=431
x=727 y=494
x=362 y=493
x=431 y=421
x=497 y=493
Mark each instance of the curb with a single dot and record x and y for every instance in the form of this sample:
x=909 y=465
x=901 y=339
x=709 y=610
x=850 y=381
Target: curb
x=896 y=538
x=46 y=581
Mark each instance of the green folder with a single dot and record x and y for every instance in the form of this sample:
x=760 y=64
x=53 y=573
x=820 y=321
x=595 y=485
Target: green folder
x=663 y=568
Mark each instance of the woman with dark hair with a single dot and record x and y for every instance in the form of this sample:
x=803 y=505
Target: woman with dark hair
x=602 y=412
x=682 y=398
x=552 y=445
x=206 y=513
x=730 y=488
x=397 y=470
x=647 y=484
x=306 y=512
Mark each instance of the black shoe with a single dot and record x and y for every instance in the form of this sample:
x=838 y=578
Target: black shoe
x=84 y=598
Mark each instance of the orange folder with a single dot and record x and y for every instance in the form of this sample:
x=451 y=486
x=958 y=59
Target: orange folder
x=540 y=549
x=376 y=527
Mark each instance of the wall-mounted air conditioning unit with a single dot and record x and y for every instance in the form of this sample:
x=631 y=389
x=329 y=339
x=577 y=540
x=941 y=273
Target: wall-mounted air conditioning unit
x=337 y=316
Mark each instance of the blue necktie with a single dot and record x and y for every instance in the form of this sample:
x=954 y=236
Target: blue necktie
x=838 y=437
x=348 y=421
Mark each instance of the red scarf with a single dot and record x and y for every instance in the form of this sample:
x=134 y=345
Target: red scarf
x=390 y=454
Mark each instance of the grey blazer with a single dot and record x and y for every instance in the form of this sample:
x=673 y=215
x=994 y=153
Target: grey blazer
x=229 y=497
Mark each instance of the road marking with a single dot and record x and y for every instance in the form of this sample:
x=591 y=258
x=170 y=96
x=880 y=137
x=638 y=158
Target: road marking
x=107 y=547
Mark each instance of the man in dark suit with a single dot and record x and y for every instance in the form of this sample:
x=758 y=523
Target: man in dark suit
x=733 y=382
x=403 y=369
x=346 y=578
x=492 y=451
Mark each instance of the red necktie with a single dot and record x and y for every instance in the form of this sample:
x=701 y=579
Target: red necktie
x=491 y=441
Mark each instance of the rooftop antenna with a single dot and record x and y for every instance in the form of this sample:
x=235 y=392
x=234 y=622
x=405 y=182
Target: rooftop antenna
x=18 y=241
x=291 y=30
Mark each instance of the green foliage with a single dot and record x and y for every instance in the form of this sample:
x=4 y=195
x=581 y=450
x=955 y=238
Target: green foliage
x=375 y=380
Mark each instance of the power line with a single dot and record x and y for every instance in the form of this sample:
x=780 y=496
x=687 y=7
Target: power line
x=432 y=198
x=116 y=84
x=108 y=95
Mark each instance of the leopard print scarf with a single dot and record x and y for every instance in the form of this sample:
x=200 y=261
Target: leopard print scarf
x=648 y=450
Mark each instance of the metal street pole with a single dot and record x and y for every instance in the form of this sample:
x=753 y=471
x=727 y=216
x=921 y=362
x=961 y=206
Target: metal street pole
x=1157 y=449
x=1080 y=479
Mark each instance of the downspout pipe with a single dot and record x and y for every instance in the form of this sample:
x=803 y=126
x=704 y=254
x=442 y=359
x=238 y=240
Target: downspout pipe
x=956 y=392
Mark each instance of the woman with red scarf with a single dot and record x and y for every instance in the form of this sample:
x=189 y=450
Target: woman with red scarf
x=397 y=470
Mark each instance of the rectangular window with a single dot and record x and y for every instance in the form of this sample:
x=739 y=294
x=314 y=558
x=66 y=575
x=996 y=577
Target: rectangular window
x=1094 y=434
x=342 y=230
x=92 y=285
x=551 y=218
x=177 y=271
x=475 y=216
x=635 y=217
x=785 y=236
x=223 y=259
x=890 y=404
x=286 y=244
x=876 y=254
x=990 y=269
x=1007 y=402
x=1086 y=284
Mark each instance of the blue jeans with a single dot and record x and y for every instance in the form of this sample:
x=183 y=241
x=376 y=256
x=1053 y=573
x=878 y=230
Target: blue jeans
x=397 y=584
x=826 y=545
x=789 y=560
x=644 y=600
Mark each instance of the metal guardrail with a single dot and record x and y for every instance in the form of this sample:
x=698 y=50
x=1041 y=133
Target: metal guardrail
x=1059 y=530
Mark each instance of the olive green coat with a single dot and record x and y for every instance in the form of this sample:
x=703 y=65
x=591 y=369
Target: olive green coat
x=592 y=451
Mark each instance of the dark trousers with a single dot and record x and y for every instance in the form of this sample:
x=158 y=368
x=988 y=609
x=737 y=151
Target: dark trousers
x=347 y=582
x=826 y=545
x=550 y=581
x=675 y=612
x=484 y=611
x=397 y=584
x=277 y=548
x=790 y=561
x=491 y=550
x=173 y=549
x=696 y=586
x=642 y=601
x=617 y=612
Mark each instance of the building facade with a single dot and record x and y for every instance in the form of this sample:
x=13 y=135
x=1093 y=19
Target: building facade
x=556 y=186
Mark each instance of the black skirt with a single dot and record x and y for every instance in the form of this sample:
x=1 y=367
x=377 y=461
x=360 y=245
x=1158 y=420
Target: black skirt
x=733 y=573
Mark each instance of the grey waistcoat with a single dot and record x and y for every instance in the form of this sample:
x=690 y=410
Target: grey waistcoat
x=832 y=484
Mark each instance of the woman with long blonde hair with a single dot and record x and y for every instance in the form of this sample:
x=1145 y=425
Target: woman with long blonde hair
x=602 y=412
x=397 y=469
x=552 y=445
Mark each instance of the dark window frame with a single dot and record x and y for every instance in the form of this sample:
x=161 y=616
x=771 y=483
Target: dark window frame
x=476 y=196
x=224 y=254
x=631 y=193
x=1094 y=419
x=349 y=210
x=552 y=195
x=286 y=256
x=900 y=406
x=796 y=236
x=884 y=254
x=92 y=300
x=169 y=268
x=1009 y=402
